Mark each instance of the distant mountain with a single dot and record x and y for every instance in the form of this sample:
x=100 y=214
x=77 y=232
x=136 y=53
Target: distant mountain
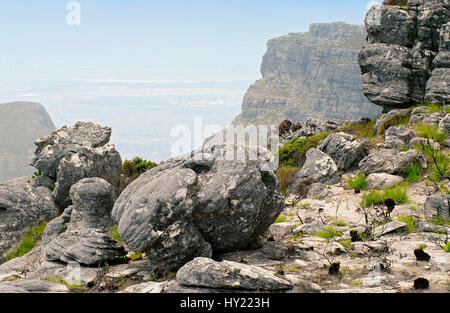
x=314 y=74
x=20 y=124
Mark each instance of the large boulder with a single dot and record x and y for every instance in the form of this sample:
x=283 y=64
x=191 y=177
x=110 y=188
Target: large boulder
x=193 y=204
x=391 y=161
x=70 y=154
x=399 y=62
x=319 y=167
x=81 y=233
x=21 y=207
x=437 y=206
x=204 y=272
x=344 y=149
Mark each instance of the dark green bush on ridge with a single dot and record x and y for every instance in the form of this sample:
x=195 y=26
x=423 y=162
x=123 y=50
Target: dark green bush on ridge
x=137 y=166
x=293 y=153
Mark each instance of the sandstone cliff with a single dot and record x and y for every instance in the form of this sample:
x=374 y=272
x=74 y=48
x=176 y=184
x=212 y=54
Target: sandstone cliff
x=20 y=124
x=313 y=74
x=406 y=59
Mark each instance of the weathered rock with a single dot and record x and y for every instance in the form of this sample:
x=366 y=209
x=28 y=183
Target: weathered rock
x=430 y=227
x=319 y=167
x=71 y=154
x=444 y=124
x=318 y=190
x=370 y=247
x=437 y=206
x=186 y=207
x=399 y=136
x=344 y=149
x=391 y=161
x=204 y=272
x=389 y=228
x=281 y=230
x=150 y=287
x=335 y=249
x=21 y=207
x=32 y=286
x=382 y=180
x=84 y=238
x=385 y=120
x=397 y=61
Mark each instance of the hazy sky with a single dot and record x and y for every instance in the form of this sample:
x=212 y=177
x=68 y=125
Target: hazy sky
x=150 y=39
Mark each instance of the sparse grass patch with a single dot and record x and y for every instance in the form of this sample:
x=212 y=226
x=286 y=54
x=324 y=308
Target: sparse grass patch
x=286 y=176
x=396 y=120
x=280 y=219
x=356 y=282
x=136 y=256
x=345 y=243
x=114 y=234
x=360 y=130
x=359 y=182
x=447 y=247
x=431 y=132
x=29 y=241
x=339 y=223
x=422 y=246
x=410 y=222
x=440 y=162
x=293 y=153
x=397 y=193
x=294 y=270
x=412 y=173
x=328 y=232
x=71 y=287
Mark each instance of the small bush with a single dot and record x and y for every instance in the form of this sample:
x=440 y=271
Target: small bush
x=136 y=167
x=345 y=243
x=286 y=176
x=431 y=132
x=412 y=173
x=340 y=223
x=358 y=183
x=29 y=241
x=410 y=222
x=328 y=232
x=293 y=153
x=396 y=120
x=397 y=193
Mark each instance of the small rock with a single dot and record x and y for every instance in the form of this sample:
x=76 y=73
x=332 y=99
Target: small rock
x=389 y=228
x=382 y=180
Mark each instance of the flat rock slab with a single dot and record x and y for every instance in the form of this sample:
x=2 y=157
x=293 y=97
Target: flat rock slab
x=389 y=228
x=204 y=272
x=32 y=286
x=150 y=287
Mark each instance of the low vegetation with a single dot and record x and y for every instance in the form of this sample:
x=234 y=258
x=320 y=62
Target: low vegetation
x=440 y=162
x=286 y=176
x=30 y=240
x=71 y=287
x=410 y=222
x=293 y=153
x=360 y=130
x=413 y=172
x=359 y=182
x=328 y=232
x=431 y=132
x=114 y=234
x=397 y=193
x=396 y=120
x=280 y=219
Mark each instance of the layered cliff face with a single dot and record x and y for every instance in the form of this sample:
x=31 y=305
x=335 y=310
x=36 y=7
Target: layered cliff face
x=406 y=59
x=312 y=74
x=20 y=124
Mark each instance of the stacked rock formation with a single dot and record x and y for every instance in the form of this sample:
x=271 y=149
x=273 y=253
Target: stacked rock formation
x=406 y=59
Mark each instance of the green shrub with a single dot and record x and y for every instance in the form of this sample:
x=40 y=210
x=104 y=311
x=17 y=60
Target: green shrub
x=358 y=183
x=396 y=120
x=410 y=222
x=345 y=243
x=71 y=287
x=431 y=132
x=440 y=162
x=413 y=172
x=293 y=152
x=137 y=166
x=29 y=241
x=397 y=193
x=328 y=232
x=340 y=223
x=286 y=176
